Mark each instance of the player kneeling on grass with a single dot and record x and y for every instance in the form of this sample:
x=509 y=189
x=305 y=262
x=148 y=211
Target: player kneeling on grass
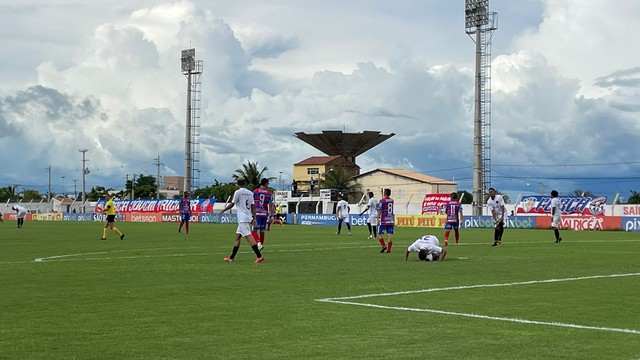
x=428 y=249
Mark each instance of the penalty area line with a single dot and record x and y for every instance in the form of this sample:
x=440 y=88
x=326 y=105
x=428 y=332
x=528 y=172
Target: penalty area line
x=343 y=300
x=486 y=317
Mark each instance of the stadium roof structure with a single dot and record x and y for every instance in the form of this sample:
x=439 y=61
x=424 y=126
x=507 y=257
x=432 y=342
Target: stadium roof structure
x=348 y=145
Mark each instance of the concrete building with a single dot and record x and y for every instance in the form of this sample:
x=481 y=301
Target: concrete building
x=408 y=188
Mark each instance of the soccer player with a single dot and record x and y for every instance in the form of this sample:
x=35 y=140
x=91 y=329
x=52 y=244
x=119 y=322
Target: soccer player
x=556 y=215
x=21 y=213
x=185 y=212
x=497 y=208
x=453 y=210
x=110 y=209
x=243 y=200
x=372 y=221
x=342 y=212
x=264 y=209
x=428 y=249
x=386 y=220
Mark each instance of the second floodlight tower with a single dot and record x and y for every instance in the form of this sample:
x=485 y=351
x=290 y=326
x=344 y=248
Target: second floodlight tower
x=479 y=21
x=192 y=69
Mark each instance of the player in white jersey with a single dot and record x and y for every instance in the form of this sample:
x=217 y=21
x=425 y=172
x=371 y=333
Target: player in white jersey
x=372 y=221
x=556 y=214
x=497 y=208
x=342 y=212
x=21 y=213
x=243 y=200
x=428 y=249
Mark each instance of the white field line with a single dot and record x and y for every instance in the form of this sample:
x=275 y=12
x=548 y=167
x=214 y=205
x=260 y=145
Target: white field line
x=77 y=257
x=341 y=300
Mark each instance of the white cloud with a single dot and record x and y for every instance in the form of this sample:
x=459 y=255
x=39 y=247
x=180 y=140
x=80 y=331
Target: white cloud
x=266 y=77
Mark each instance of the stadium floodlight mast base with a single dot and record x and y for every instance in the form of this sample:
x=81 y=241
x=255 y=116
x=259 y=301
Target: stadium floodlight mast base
x=479 y=21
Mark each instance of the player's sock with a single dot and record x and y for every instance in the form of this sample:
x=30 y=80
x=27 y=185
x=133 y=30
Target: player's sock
x=255 y=235
x=389 y=244
x=457 y=237
x=104 y=233
x=339 y=227
x=382 y=242
x=180 y=227
x=234 y=252
x=262 y=237
x=349 y=227
x=186 y=226
x=256 y=250
x=556 y=232
x=369 y=226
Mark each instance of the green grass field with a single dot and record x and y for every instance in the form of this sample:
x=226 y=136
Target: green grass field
x=161 y=295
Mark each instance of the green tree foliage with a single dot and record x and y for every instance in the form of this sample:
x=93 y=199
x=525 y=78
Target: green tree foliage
x=343 y=182
x=145 y=187
x=467 y=198
x=219 y=191
x=251 y=173
x=29 y=195
x=6 y=193
x=634 y=198
x=97 y=192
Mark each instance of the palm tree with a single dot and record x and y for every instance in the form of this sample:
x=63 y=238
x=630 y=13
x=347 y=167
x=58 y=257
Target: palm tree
x=251 y=174
x=343 y=182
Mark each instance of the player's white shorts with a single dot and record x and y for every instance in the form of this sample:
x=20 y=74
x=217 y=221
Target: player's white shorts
x=244 y=229
x=344 y=218
x=373 y=220
x=22 y=214
x=555 y=221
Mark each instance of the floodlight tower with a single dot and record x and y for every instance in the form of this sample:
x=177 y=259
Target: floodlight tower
x=479 y=21
x=192 y=69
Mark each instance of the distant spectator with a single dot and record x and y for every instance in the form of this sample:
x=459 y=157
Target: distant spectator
x=312 y=184
x=294 y=188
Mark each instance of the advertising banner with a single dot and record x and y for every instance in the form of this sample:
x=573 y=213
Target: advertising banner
x=630 y=223
x=143 y=217
x=77 y=217
x=173 y=217
x=630 y=210
x=159 y=206
x=583 y=222
x=47 y=217
x=434 y=220
x=327 y=219
x=570 y=205
x=218 y=218
x=14 y=216
x=486 y=222
x=434 y=203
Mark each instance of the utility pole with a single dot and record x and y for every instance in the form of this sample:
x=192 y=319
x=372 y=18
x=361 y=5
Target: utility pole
x=48 y=169
x=75 y=193
x=158 y=163
x=85 y=172
x=63 y=194
x=133 y=184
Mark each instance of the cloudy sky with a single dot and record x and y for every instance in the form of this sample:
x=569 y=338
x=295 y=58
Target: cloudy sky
x=105 y=76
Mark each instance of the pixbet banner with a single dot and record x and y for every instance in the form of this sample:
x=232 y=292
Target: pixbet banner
x=570 y=205
x=435 y=203
x=158 y=206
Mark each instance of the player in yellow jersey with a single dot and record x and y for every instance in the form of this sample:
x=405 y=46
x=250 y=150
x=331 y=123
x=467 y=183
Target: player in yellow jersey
x=110 y=209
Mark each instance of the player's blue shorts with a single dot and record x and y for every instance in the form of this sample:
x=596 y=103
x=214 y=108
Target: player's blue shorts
x=185 y=216
x=449 y=226
x=387 y=228
x=261 y=223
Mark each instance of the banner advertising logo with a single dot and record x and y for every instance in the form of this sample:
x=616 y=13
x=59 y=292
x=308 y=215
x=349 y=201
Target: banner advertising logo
x=435 y=203
x=570 y=205
x=631 y=224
